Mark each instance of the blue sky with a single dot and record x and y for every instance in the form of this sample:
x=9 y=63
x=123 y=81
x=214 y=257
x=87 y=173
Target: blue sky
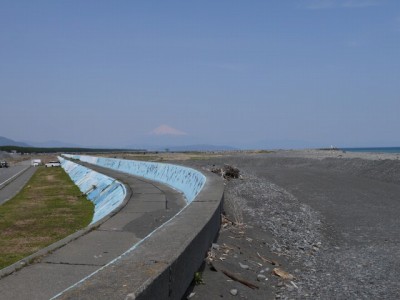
x=300 y=73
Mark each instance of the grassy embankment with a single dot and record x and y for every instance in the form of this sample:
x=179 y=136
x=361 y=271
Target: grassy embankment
x=49 y=208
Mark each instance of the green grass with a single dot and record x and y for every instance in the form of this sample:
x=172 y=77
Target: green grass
x=49 y=208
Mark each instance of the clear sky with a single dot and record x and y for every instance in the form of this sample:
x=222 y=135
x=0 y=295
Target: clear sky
x=300 y=73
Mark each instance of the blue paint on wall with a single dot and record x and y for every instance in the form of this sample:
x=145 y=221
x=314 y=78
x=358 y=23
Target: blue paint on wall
x=105 y=192
x=187 y=180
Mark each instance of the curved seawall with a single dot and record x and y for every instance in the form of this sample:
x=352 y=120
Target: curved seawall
x=105 y=192
x=187 y=180
x=162 y=265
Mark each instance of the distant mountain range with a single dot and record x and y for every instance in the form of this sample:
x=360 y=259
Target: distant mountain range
x=181 y=148
x=48 y=144
x=9 y=142
x=52 y=144
x=166 y=137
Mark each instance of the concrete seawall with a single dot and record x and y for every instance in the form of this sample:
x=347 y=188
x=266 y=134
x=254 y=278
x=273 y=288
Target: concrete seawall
x=187 y=180
x=162 y=265
x=106 y=193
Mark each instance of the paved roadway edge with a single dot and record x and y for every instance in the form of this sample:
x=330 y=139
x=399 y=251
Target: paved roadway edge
x=163 y=264
x=12 y=179
x=51 y=248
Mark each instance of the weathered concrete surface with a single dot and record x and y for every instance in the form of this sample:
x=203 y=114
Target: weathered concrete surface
x=163 y=264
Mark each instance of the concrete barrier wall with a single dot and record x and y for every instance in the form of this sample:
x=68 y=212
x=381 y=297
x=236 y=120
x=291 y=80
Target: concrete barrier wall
x=162 y=265
x=105 y=192
x=187 y=180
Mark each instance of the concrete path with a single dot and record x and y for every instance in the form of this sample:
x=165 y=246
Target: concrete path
x=150 y=205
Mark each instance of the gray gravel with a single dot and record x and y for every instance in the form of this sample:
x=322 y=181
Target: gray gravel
x=296 y=227
x=334 y=218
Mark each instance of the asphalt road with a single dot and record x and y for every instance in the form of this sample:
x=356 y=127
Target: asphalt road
x=13 y=179
x=150 y=205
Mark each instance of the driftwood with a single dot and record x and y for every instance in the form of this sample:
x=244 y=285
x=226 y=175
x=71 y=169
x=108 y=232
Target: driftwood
x=283 y=274
x=238 y=279
x=272 y=262
x=231 y=172
x=235 y=277
x=227 y=172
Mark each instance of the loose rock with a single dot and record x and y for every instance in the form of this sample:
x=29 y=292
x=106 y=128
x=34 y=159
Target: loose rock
x=261 y=277
x=243 y=266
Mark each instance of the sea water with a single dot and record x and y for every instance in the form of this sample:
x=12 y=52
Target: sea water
x=374 y=149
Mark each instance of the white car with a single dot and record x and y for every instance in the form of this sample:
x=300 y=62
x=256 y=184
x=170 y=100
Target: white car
x=53 y=164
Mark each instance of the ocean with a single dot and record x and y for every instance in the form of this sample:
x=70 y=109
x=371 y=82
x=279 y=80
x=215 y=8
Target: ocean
x=374 y=149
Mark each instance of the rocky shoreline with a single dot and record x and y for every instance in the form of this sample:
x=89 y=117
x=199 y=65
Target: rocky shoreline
x=315 y=224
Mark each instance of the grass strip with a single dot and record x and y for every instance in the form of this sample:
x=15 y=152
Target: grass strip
x=49 y=208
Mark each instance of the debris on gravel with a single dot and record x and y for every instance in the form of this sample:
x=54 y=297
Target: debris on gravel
x=227 y=172
x=317 y=225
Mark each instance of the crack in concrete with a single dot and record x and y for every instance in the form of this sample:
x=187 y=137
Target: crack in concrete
x=72 y=264
x=112 y=230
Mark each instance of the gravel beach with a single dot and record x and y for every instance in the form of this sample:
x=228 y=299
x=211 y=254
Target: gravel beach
x=308 y=224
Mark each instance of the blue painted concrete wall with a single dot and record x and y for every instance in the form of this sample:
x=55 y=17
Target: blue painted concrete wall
x=187 y=180
x=105 y=192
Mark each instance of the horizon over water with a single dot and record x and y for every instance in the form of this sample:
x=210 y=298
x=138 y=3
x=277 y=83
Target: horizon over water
x=373 y=149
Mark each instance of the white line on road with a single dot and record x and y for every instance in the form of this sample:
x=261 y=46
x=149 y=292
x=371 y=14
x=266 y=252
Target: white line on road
x=11 y=178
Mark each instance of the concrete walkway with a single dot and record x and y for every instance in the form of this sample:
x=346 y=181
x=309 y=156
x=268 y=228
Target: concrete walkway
x=150 y=204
